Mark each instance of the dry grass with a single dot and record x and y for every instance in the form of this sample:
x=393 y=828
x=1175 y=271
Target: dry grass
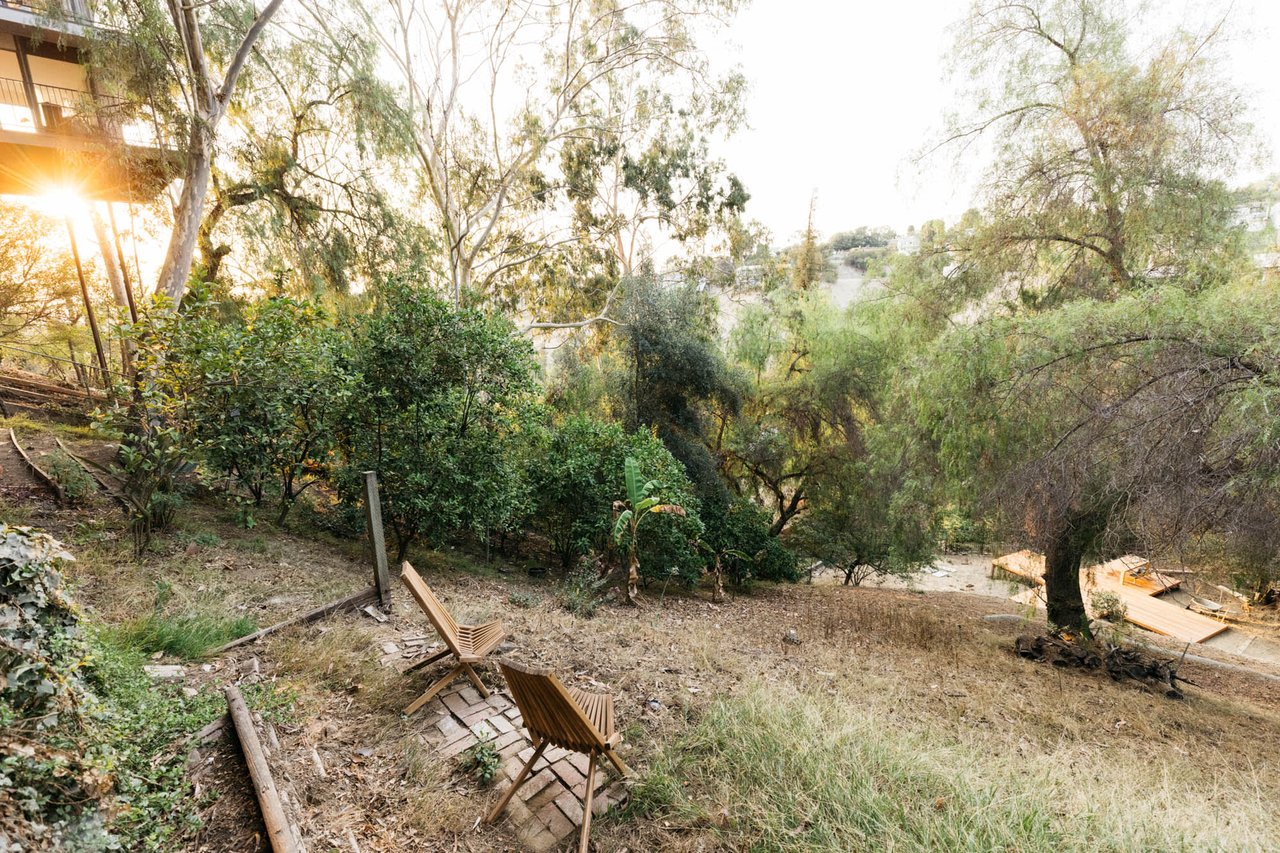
x=1089 y=764
x=893 y=703
x=766 y=770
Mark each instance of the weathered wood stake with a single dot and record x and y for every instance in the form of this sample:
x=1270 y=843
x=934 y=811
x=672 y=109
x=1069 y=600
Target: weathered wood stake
x=373 y=515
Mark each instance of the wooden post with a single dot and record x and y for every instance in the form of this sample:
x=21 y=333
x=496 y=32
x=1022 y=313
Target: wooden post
x=373 y=515
x=88 y=309
x=280 y=830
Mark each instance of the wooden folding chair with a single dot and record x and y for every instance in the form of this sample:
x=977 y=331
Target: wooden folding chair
x=469 y=644
x=571 y=719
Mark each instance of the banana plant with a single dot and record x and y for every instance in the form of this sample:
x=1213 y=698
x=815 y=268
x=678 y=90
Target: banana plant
x=640 y=503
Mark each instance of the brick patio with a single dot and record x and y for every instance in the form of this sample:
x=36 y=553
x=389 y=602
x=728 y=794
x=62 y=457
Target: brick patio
x=547 y=810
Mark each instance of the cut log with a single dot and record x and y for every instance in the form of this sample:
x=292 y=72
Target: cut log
x=39 y=473
x=353 y=601
x=281 y=832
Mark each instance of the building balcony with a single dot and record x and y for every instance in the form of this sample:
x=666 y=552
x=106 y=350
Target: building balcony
x=76 y=138
x=69 y=113
x=70 y=18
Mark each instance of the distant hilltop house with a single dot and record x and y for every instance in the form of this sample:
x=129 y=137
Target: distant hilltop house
x=1256 y=216
x=58 y=129
x=907 y=244
x=749 y=275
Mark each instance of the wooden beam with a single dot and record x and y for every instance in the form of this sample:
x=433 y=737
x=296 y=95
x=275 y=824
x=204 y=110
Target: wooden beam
x=373 y=516
x=38 y=472
x=102 y=484
x=357 y=599
x=281 y=832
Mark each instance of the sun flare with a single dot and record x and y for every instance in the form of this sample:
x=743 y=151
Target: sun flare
x=60 y=200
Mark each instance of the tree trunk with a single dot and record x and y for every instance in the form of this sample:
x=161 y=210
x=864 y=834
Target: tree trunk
x=116 y=277
x=188 y=215
x=787 y=509
x=633 y=577
x=109 y=262
x=717 y=594
x=1065 y=602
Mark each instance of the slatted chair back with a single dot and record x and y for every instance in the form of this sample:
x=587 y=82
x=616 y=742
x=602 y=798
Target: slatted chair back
x=439 y=615
x=549 y=711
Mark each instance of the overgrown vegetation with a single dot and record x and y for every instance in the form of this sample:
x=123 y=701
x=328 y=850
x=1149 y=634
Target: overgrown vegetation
x=859 y=783
x=189 y=636
x=365 y=271
x=90 y=766
x=582 y=592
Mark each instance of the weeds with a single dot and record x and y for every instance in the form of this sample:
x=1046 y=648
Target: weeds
x=797 y=772
x=886 y=620
x=1107 y=605
x=483 y=760
x=582 y=592
x=66 y=472
x=190 y=635
x=524 y=600
x=136 y=724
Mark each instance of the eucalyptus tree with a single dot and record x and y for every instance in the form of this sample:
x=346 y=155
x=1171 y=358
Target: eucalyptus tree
x=509 y=107
x=184 y=59
x=306 y=194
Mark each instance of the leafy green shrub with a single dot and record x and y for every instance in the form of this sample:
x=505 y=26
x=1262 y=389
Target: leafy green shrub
x=579 y=473
x=45 y=778
x=66 y=472
x=262 y=384
x=441 y=403
x=484 y=761
x=146 y=418
x=325 y=510
x=38 y=628
x=750 y=552
x=582 y=592
x=1107 y=605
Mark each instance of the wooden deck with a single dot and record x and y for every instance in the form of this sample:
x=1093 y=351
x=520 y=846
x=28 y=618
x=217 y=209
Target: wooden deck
x=1130 y=578
x=1165 y=617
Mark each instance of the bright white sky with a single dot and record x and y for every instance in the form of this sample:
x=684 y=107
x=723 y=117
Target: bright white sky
x=843 y=93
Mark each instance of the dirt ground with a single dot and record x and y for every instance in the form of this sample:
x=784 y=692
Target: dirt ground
x=361 y=778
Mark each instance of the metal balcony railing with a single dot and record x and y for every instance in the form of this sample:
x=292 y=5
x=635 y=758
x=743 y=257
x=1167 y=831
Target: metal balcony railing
x=69 y=112
x=76 y=10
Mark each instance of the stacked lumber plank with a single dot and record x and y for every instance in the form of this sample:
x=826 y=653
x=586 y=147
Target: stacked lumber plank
x=24 y=387
x=1132 y=580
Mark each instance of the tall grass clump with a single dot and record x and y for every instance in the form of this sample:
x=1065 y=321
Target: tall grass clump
x=190 y=635
x=797 y=772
